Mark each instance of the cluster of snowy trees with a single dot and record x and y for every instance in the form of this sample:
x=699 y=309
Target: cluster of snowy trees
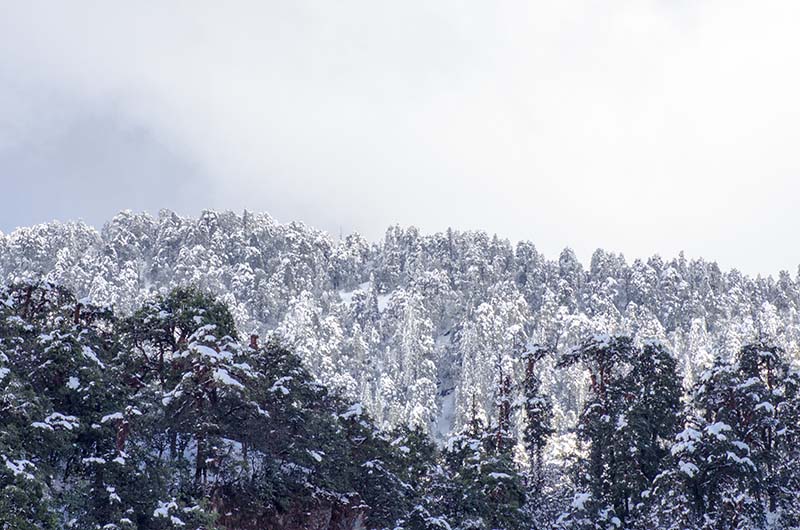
x=430 y=337
x=164 y=419
x=415 y=327
x=726 y=456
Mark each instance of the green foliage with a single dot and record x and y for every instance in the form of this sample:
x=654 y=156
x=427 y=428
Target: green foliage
x=538 y=417
x=163 y=420
x=735 y=463
x=488 y=490
x=628 y=422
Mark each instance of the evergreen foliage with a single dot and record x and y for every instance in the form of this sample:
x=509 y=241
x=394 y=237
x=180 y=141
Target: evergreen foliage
x=627 y=423
x=163 y=420
x=398 y=384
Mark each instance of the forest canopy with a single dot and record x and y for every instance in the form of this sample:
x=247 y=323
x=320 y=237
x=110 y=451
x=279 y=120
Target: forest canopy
x=166 y=418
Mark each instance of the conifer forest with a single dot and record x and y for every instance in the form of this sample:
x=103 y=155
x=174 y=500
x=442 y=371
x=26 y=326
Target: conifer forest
x=229 y=372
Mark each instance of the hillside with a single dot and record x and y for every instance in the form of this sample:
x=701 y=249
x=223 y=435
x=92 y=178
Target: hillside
x=233 y=373
x=415 y=325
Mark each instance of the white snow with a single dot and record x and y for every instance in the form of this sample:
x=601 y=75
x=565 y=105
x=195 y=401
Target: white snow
x=766 y=406
x=17 y=467
x=73 y=383
x=689 y=468
x=15 y=319
x=164 y=508
x=601 y=340
x=750 y=382
x=355 y=410
x=222 y=376
x=347 y=296
x=741 y=445
x=211 y=353
x=57 y=420
x=109 y=417
x=738 y=460
x=580 y=500
x=278 y=386
x=686 y=440
x=383 y=301
x=717 y=428
x=260 y=411
x=92 y=356
x=446 y=416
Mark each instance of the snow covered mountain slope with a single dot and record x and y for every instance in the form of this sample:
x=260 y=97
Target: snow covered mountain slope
x=415 y=326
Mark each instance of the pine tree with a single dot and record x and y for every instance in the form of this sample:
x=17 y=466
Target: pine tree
x=717 y=481
x=490 y=491
x=23 y=477
x=538 y=417
x=630 y=417
x=646 y=425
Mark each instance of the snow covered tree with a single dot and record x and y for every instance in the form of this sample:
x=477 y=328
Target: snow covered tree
x=629 y=419
x=292 y=276
x=736 y=460
x=604 y=357
x=537 y=427
x=772 y=427
x=489 y=489
x=645 y=426
x=415 y=328
x=711 y=483
x=55 y=390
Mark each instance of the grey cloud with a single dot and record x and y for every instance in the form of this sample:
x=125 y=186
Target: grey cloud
x=89 y=168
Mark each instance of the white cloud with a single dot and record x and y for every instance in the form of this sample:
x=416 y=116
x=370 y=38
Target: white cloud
x=640 y=127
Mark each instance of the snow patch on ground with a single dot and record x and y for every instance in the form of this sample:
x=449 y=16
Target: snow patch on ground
x=383 y=301
x=447 y=415
x=347 y=296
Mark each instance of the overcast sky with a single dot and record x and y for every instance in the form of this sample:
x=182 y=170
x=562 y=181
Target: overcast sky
x=638 y=126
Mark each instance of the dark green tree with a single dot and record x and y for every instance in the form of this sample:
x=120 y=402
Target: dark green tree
x=538 y=417
x=628 y=423
x=489 y=489
x=645 y=426
x=736 y=460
